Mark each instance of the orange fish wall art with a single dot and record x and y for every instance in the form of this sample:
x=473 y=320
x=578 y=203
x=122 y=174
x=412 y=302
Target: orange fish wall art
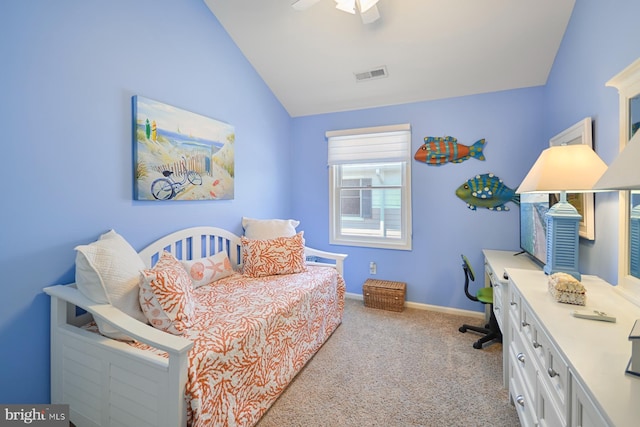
x=437 y=151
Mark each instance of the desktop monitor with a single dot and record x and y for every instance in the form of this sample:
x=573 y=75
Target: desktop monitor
x=533 y=229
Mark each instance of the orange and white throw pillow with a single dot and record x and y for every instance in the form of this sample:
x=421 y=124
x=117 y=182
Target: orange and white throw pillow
x=282 y=255
x=166 y=296
x=207 y=270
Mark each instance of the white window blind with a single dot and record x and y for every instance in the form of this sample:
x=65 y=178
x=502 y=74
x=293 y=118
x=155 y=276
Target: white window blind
x=366 y=145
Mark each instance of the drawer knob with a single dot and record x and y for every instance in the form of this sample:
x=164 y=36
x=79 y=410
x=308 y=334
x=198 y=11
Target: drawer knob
x=520 y=400
x=513 y=303
x=520 y=357
x=552 y=373
x=524 y=324
x=536 y=344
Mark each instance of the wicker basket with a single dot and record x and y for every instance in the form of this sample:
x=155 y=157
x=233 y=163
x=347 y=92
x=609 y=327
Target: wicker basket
x=384 y=294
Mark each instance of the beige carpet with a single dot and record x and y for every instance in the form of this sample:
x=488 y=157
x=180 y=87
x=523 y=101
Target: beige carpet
x=389 y=369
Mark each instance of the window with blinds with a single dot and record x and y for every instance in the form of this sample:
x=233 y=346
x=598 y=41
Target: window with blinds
x=370 y=187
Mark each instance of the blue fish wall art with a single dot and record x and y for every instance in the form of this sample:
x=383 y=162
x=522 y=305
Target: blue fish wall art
x=437 y=151
x=487 y=191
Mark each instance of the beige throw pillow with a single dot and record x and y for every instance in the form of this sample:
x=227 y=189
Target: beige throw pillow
x=263 y=229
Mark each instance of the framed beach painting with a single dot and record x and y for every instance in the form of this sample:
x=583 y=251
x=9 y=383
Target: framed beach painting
x=580 y=133
x=180 y=155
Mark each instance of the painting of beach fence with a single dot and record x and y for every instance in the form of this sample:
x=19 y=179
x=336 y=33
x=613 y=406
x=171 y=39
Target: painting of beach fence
x=180 y=155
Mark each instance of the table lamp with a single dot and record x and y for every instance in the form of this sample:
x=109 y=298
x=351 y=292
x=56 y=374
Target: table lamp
x=561 y=169
x=624 y=173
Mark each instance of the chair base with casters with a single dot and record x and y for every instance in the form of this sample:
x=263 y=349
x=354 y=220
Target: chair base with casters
x=490 y=331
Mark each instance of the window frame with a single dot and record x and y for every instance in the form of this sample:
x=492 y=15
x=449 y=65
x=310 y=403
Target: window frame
x=336 y=236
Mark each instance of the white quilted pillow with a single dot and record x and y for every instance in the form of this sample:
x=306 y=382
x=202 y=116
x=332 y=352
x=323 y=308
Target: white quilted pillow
x=108 y=272
x=166 y=296
x=207 y=270
x=265 y=229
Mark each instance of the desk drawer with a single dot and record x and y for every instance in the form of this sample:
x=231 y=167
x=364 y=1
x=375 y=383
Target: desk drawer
x=583 y=411
x=523 y=362
x=556 y=377
x=514 y=304
x=534 y=337
x=498 y=294
x=497 y=303
x=492 y=275
x=547 y=411
x=520 y=397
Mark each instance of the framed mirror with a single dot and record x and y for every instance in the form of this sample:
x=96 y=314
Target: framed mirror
x=628 y=84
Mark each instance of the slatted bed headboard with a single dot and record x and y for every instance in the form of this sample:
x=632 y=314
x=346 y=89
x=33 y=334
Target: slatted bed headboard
x=193 y=243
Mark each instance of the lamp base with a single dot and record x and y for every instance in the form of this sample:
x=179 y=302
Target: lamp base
x=562 y=221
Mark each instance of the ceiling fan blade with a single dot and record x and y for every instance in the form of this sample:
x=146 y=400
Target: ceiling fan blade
x=303 y=4
x=370 y=15
x=365 y=5
x=348 y=6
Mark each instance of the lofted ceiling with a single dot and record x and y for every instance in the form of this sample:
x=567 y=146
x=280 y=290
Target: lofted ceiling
x=430 y=49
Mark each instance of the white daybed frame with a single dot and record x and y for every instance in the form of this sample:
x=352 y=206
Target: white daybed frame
x=110 y=383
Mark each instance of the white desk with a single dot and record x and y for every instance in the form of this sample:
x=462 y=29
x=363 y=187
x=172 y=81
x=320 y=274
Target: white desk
x=566 y=371
x=495 y=263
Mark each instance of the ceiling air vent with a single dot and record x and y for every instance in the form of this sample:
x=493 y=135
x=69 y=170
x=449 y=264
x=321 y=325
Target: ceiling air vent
x=376 y=73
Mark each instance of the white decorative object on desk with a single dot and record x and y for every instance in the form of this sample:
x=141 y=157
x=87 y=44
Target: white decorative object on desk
x=594 y=315
x=565 y=288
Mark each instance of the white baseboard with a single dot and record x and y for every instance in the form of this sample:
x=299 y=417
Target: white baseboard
x=421 y=306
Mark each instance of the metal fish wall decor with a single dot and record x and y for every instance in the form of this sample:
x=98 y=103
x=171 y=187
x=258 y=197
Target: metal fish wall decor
x=437 y=151
x=487 y=191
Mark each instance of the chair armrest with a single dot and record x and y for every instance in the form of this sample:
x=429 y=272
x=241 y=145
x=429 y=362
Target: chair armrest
x=336 y=257
x=147 y=334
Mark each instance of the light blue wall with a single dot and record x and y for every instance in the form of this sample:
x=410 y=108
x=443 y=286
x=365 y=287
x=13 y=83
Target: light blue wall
x=443 y=226
x=69 y=69
x=602 y=39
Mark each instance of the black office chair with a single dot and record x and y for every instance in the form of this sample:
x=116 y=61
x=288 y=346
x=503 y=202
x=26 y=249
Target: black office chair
x=491 y=330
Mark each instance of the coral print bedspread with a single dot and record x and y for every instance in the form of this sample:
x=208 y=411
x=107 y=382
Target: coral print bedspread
x=252 y=336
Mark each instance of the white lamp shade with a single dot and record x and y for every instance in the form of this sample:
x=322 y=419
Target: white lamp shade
x=624 y=172
x=571 y=168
